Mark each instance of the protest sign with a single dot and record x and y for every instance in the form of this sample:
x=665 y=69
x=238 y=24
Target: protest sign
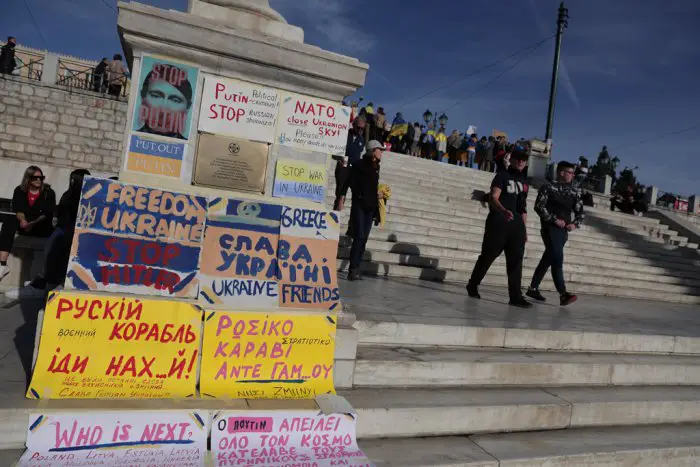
x=237 y=108
x=313 y=124
x=154 y=157
x=283 y=438
x=106 y=346
x=131 y=238
x=165 y=97
x=239 y=257
x=299 y=179
x=267 y=356
x=307 y=258
x=126 y=438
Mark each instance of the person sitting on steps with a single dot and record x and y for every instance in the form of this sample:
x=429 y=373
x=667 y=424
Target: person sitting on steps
x=33 y=203
x=57 y=248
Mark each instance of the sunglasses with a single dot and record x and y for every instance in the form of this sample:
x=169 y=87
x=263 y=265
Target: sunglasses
x=37 y=177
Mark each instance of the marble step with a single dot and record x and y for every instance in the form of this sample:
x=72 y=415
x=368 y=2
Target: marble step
x=654 y=253
x=645 y=446
x=592 y=225
x=441 y=367
x=414 y=199
x=593 y=220
x=476 y=230
x=593 y=285
x=419 y=334
x=573 y=271
x=432 y=256
x=416 y=202
x=418 y=412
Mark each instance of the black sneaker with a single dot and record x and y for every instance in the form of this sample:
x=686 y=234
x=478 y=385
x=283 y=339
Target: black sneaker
x=567 y=299
x=535 y=293
x=520 y=302
x=354 y=276
x=473 y=290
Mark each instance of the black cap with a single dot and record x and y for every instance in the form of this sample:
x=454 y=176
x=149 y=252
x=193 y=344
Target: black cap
x=519 y=154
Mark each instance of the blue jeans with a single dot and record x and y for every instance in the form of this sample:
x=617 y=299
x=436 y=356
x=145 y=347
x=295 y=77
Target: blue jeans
x=470 y=162
x=362 y=220
x=554 y=240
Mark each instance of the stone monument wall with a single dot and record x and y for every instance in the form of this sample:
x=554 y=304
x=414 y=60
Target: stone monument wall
x=57 y=130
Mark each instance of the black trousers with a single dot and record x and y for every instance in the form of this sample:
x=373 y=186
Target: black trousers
x=502 y=236
x=11 y=227
x=341 y=176
x=554 y=240
x=361 y=220
x=57 y=253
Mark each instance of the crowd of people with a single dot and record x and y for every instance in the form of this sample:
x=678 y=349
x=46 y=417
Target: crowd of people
x=431 y=141
x=36 y=214
x=559 y=204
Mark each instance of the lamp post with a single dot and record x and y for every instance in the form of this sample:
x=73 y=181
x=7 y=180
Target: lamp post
x=443 y=120
x=427 y=116
x=562 y=23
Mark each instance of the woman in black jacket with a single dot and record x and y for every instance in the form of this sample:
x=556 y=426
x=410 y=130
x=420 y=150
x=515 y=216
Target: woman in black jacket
x=34 y=203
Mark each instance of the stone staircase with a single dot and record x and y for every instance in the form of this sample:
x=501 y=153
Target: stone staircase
x=435 y=229
x=450 y=395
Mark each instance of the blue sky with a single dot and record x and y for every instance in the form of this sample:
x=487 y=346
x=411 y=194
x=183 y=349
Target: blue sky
x=630 y=68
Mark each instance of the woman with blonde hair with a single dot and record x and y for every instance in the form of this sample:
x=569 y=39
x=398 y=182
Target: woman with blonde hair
x=33 y=203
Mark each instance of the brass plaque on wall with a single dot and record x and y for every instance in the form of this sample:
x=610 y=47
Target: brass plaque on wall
x=230 y=163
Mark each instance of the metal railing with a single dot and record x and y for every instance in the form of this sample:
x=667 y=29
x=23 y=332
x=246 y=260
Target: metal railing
x=34 y=69
x=87 y=80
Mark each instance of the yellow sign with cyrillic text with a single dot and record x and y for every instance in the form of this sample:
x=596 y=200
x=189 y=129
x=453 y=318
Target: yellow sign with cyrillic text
x=267 y=356
x=108 y=346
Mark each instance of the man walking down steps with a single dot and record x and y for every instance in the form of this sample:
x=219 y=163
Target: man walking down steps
x=560 y=207
x=505 y=229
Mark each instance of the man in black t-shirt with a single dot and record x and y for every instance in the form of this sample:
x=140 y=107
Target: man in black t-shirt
x=505 y=229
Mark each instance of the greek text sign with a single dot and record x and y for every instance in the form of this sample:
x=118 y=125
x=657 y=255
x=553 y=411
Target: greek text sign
x=164 y=101
x=236 y=108
x=282 y=438
x=299 y=179
x=136 y=239
x=151 y=156
x=312 y=124
x=100 y=346
x=269 y=356
x=239 y=258
x=133 y=438
x=307 y=255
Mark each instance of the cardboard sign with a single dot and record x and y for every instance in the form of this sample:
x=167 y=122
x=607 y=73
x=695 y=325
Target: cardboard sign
x=299 y=179
x=267 y=356
x=153 y=438
x=239 y=258
x=236 y=108
x=307 y=257
x=165 y=98
x=313 y=124
x=151 y=156
x=103 y=346
x=283 y=438
x=261 y=256
x=131 y=238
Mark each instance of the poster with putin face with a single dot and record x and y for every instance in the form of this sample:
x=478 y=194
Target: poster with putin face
x=164 y=104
